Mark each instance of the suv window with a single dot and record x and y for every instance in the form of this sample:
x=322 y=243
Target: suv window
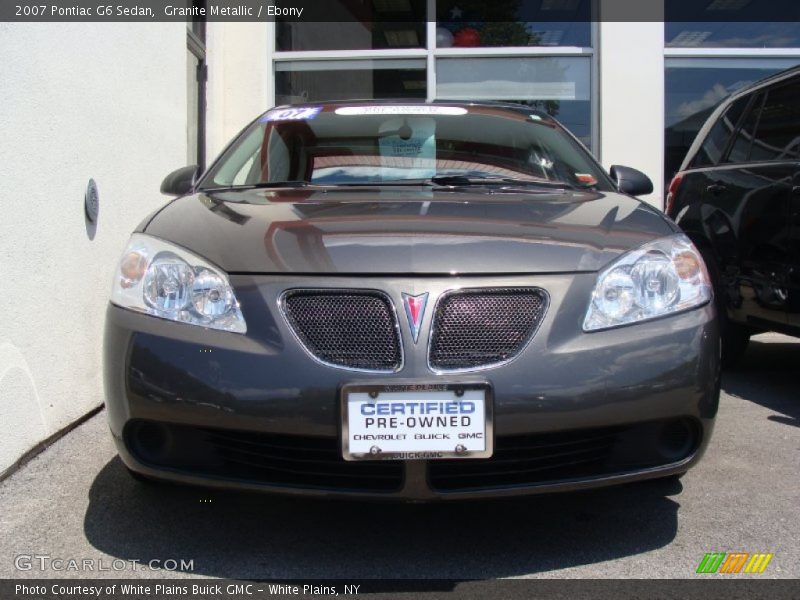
x=778 y=131
x=717 y=139
x=740 y=151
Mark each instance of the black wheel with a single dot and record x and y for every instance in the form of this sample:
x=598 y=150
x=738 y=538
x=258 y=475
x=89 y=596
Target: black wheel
x=734 y=336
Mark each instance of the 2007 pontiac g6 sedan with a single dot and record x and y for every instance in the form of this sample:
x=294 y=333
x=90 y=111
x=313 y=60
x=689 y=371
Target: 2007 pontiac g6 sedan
x=409 y=300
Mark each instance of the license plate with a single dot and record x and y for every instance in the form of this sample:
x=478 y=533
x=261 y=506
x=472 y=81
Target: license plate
x=416 y=422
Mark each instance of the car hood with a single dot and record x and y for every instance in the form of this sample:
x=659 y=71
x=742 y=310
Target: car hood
x=408 y=230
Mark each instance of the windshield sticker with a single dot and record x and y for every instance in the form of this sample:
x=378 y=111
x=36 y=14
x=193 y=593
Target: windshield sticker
x=292 y=114
x=419 y=109
x=409 y=144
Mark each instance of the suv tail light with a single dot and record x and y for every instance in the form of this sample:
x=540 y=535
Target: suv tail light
x=673 y=189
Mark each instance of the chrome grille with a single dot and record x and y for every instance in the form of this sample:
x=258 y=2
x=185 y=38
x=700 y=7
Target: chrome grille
x=350 y=329
x=480 y=328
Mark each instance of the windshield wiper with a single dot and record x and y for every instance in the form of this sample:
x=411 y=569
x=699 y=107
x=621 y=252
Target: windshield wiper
x=466 y=180
x=260 y=184
x=436 y=180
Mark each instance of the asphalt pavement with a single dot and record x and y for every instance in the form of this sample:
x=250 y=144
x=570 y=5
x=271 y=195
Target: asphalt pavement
x=75 y=501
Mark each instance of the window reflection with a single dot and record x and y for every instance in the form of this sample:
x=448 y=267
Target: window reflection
x=718 y=138
x=695 y=87
x=740 y=150
x=308 y=81
x=478 y=23
x=732 y=35
x=777 y=134
x=559 y=86
x=359 y=25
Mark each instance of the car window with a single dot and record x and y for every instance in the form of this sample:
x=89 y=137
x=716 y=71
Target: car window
x=333 y=145
x=716 y=141
x=778 y=131
x=740 y=149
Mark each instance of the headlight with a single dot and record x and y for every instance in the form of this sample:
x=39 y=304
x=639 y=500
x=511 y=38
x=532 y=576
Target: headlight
x=660 y=278
x=166 y=281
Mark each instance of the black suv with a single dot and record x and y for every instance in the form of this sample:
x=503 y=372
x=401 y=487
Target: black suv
x=737 y=196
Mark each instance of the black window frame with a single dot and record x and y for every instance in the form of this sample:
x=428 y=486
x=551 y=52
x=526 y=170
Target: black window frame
x=757 y=100
x=791 y=81
x=723 y=155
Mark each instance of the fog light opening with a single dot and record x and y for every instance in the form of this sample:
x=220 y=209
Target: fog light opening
x=676 y=440
x=151 y=441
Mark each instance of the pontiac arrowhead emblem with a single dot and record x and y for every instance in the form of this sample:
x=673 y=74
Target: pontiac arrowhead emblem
x=415 y=311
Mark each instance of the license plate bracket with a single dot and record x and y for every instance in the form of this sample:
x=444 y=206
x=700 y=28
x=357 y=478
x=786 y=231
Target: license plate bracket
x=417 y=421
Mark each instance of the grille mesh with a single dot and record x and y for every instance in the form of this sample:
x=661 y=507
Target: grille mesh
x=529 y=459
x=293 y=461
x=550 y=457
x=478 y=328
x=349 y=329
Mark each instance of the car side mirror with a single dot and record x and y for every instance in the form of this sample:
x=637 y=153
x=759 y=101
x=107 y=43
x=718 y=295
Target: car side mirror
x=180 y=181
x=630 y=181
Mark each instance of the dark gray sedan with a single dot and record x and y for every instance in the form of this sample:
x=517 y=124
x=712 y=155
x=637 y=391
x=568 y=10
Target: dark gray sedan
x=416 y=301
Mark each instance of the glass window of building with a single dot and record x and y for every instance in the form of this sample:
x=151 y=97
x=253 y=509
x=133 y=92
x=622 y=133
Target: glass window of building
x=314 y=80
x=731 y=24
x=539 y=53
x=361 y=25
x=477 y=23
x=732 y=35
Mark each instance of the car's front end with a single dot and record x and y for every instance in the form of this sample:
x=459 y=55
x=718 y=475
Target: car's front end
x=422 y=341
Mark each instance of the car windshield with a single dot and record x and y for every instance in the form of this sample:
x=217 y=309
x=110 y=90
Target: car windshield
x=404 y=145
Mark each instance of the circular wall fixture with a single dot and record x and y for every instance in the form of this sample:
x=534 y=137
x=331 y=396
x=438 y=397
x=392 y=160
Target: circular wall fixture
x=91 y=201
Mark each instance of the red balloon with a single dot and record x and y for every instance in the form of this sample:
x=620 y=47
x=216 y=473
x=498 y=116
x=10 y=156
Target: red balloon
x=467 y=37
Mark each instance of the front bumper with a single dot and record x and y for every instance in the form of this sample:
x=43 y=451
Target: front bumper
x=254 y=411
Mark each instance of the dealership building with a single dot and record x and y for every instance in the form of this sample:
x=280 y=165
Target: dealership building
x=122 y=104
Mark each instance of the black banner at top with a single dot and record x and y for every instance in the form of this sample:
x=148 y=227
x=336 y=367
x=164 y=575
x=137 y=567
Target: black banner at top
x=718 y=11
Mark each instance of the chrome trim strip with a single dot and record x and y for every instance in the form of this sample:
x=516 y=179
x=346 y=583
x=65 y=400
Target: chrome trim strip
x=458 y=290
x=360 y=291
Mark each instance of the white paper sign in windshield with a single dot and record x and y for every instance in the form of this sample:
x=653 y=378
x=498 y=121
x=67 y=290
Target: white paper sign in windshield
x=408 y=148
